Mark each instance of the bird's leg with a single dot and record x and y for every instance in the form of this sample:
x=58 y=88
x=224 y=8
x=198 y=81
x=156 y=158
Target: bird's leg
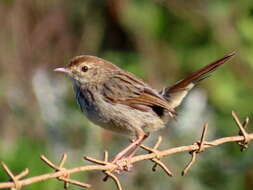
x=130 y=150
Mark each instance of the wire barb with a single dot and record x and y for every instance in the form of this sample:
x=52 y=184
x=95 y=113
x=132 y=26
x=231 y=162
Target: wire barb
x=243 y=144
x=22 y=174
x=201 y=146
x=108 y=173
x=74 y=182
x=114 y=178
x=93 y=160
x=65 y=175
x=158 y=157
x=189 y=165
x=15 y=179
x=202 y=139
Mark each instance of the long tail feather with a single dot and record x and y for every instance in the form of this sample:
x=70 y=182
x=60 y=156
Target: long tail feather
x=200 y=74
x=176 y=93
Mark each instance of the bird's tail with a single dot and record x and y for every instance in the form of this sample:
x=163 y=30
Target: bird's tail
x=176 y=93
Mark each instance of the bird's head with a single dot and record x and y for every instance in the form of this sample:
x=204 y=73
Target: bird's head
x=88 y=69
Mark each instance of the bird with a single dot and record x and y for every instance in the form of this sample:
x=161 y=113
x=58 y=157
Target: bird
x=119 y=101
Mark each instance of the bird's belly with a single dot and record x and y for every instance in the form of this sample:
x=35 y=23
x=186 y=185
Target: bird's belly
x=123 y=119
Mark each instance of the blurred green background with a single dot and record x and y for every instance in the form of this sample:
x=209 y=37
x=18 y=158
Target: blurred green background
x=161 y=41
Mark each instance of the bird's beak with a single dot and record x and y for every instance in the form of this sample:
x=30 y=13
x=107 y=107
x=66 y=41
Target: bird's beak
x=62 y=69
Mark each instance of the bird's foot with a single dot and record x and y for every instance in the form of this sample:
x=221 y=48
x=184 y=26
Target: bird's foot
x=127 y=153
x=123 y=164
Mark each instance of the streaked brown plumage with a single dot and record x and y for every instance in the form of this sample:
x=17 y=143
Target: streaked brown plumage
x=119 y=101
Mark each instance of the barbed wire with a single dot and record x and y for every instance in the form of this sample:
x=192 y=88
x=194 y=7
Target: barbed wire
x=154 y=154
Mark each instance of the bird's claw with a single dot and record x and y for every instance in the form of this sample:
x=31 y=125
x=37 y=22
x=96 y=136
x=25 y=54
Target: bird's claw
x=127 y=167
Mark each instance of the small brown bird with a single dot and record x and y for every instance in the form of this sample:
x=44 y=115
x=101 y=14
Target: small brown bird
x=117 y=100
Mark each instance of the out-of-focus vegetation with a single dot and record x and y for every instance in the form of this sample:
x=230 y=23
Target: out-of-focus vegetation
x=160 y=41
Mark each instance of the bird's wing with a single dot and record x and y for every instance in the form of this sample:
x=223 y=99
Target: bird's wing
x=124 y=88
x=176 y=93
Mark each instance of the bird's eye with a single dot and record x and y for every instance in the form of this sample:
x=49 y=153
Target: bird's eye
x=85 y=68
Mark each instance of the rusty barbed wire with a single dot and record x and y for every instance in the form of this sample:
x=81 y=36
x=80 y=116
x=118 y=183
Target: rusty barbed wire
x=63 y=174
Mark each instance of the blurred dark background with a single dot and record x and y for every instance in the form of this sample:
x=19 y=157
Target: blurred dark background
x=160 y=41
